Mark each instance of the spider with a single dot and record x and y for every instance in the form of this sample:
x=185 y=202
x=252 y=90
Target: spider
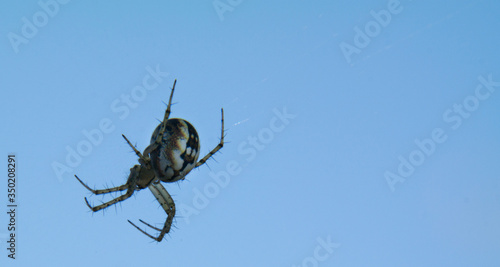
x=173 y=153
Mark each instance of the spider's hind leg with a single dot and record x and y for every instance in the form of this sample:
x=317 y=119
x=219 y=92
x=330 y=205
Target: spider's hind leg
x=217 y=148
x=163 y=124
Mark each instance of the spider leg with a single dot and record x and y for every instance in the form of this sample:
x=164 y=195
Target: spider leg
x=142 y=159
x=117 y=188
x=159 y=137
x=219 y=146
x=130 y=186
x=103 y=191
x=156 y=228
x=168 y=205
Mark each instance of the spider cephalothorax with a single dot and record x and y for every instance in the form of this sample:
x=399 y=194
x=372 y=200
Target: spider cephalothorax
x=171 y=155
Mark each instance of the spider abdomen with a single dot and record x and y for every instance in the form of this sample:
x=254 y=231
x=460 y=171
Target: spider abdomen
x=178 y=152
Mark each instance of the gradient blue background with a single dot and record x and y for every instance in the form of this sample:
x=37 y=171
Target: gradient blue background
x=321 y=177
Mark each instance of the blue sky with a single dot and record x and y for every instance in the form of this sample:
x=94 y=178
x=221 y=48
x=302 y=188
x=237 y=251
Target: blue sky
x=358 y=133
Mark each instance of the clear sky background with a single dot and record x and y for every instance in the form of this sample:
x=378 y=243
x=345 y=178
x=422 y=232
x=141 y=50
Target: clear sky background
x=353 y=138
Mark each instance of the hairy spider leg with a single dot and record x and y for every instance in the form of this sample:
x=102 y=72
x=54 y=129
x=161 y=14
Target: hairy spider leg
x=159 y=137
x=130 y=186
x=161 y=194
x=217 y=148
x=144 y=160
x=102 y=191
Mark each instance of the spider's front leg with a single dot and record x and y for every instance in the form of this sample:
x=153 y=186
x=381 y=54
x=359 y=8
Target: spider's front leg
x=167 y=204
x=102 y=191
x=130 y=186
x=159 y=137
